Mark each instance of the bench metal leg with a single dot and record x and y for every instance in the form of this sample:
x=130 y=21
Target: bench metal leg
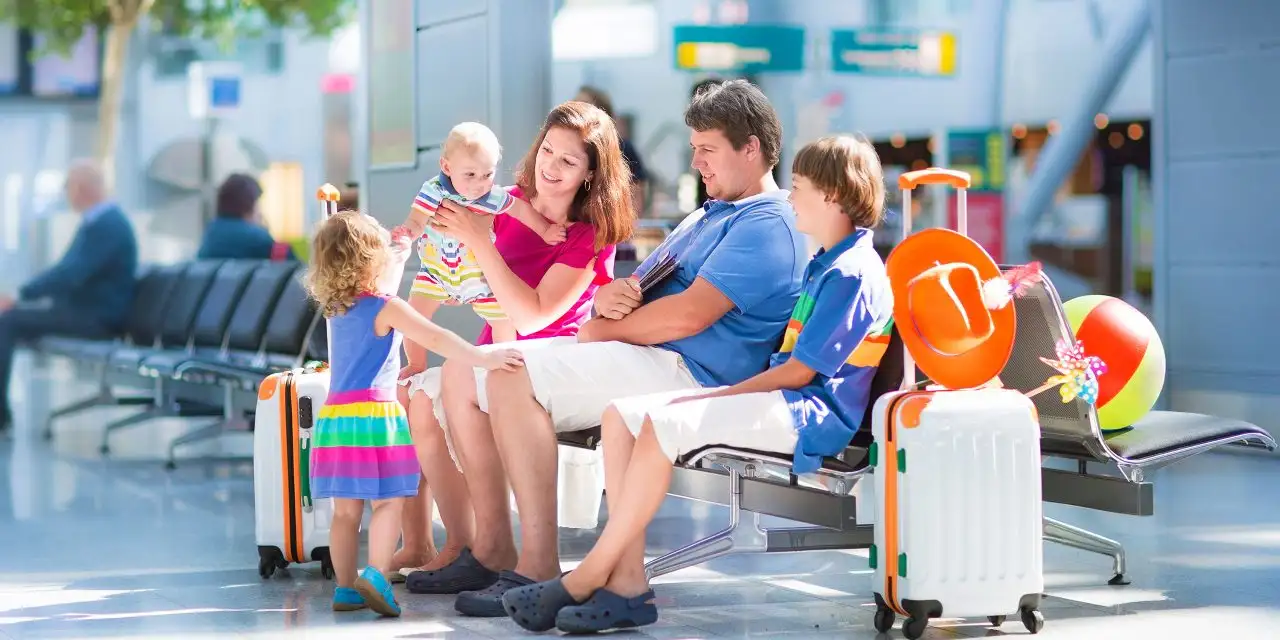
x=104 y=397
x=150 y=413
x=210 y=431
x=1065 y=534
x=736 y=538
x=201 y=434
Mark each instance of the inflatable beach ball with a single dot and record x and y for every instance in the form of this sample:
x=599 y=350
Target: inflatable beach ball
x=1127 y=342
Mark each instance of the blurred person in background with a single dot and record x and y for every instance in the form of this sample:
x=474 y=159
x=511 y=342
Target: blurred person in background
x=236 y=233
x=88 y=292
x=639 y=177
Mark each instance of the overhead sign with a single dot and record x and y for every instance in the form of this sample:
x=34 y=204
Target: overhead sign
x=894 y=52
x=213 y=89
x=981 y=153
x=742 y=49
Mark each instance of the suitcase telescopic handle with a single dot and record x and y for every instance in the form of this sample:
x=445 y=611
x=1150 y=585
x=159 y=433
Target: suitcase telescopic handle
x=958 y=180
x=328 y=195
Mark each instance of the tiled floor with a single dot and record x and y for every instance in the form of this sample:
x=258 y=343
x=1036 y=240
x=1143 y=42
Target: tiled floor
x=120 y=548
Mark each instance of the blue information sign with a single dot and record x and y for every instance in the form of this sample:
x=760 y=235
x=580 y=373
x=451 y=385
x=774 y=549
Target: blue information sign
x=224 y=92
x=894 y=52
x=742 y=49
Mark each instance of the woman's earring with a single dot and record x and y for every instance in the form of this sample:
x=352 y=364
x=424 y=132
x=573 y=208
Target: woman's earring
x=587 y=184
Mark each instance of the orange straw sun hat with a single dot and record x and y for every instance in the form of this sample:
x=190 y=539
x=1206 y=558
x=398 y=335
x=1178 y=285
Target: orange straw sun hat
x=952 y=307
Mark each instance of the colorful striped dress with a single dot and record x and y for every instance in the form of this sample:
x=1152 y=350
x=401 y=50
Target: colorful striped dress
x=362 y=448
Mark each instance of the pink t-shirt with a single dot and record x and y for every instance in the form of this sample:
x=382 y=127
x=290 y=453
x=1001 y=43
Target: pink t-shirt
x=530 y=257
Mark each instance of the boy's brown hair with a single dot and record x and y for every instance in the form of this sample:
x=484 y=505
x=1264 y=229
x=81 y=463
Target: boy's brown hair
x=846 y=169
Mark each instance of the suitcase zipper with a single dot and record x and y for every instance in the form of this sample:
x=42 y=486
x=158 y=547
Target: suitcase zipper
x=305 y=423
x=894 y=562
x=290 y=445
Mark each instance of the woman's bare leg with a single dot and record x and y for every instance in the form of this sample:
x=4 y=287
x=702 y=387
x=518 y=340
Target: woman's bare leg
x=441 y=473
x=494 y=545
x=417 y=547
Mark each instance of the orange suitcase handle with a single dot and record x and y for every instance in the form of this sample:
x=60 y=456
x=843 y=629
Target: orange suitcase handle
x=934 y=175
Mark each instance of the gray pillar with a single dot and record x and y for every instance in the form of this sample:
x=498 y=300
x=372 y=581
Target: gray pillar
x=1063 y=150
x=503 y=81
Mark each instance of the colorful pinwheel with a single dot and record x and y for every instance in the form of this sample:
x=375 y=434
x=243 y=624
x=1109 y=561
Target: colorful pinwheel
x=1077 y=373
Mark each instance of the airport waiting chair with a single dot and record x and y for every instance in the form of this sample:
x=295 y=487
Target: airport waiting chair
x=247 y=301
x=187 y=306
x=142 y=327
x=1070 y=431
x=756 y=483
x=753 y=483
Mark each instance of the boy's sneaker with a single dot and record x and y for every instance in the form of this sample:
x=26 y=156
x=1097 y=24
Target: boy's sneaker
x=376 y=591
x=347 y=599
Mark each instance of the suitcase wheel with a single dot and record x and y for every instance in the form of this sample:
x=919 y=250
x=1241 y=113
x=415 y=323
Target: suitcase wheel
x=1032 y=619
x=326 y=562
x=914 y=627
x=884 y=619
x=270 y=559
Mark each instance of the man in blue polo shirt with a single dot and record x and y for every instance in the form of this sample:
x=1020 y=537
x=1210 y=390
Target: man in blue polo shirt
x=714 y=321
x=808 y=403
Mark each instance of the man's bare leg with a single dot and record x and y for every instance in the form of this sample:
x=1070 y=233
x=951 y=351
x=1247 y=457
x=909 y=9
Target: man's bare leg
x=527 y=442
x=495 y=545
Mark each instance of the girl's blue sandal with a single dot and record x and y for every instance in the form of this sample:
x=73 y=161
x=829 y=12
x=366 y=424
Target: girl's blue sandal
x=347 y=599
x=376 y=591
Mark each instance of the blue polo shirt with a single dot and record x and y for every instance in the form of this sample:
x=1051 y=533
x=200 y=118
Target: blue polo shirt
x=840 y=329
x=752 y=253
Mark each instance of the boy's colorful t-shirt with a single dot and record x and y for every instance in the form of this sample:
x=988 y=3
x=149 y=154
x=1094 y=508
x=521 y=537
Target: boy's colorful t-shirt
x=840 y=328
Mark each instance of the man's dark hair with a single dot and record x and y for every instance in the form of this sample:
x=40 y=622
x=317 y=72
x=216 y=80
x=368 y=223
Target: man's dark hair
x=739 y=110
x=237 y=196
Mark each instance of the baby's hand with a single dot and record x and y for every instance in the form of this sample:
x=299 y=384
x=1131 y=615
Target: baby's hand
x=400 y=234
x=505 y=359
x=555 y=234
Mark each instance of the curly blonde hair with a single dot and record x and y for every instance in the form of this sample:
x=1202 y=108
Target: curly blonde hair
x=348 y=254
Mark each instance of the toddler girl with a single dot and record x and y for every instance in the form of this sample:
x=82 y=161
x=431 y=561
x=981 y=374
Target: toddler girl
x=361 y=448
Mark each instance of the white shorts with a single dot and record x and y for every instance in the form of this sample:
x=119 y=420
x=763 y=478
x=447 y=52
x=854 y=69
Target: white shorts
x=576 y=382
x=758 y=421
x=428 y=382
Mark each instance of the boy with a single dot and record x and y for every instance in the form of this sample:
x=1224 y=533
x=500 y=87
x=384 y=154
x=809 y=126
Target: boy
x=808 y=403
x=449 y=272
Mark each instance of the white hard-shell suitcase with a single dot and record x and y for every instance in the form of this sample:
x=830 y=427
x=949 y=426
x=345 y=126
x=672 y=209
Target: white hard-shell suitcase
x=290 y=526
x=958 y=507
x=957 y=498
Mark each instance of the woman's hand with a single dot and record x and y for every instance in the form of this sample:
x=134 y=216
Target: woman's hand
x=472 y=229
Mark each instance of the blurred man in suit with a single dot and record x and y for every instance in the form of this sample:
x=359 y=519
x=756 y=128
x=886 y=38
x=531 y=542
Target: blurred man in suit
x=88 y=292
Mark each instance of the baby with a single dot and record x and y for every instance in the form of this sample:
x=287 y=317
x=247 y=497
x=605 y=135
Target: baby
x=449 y=273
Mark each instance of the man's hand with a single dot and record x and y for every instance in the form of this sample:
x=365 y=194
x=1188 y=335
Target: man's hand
x=619 y=298
x=410 y=370
x=555 y=234
x=6 y=303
